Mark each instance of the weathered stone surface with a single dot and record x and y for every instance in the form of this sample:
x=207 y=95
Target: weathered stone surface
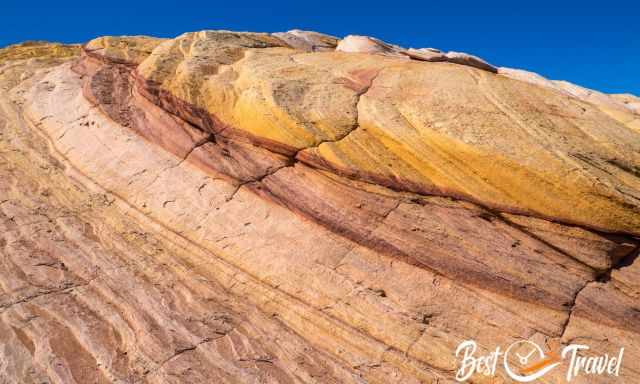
x=630 y=101
x=607 y=103
x=37 y=50
x=427 y=54
x=122 y=49
x=606 y=320
x=470 y=60
x=529 y=77
x=308 y=40
x=293 y=102
x=230 y=207
x=371 y=45
x=623 y=108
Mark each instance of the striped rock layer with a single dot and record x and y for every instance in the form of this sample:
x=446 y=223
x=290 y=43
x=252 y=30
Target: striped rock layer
x=244 y=207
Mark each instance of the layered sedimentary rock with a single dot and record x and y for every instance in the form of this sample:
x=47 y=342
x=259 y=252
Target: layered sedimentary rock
x=371 y=45
x=308 y=40
x=623 y=108
x=244 y=207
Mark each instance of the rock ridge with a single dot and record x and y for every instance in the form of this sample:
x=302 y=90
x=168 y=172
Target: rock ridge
x=246 y=207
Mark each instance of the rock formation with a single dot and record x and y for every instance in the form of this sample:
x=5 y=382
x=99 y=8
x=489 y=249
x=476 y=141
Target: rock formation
x=294 y=208
x=623 y=108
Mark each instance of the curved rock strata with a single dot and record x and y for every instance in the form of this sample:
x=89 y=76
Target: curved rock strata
x=354 y=114
x=244 y=207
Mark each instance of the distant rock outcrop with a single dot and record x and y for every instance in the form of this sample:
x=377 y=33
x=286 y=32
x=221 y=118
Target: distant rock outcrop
x=622 y=108
x=630 y=101
x=308 y=40
x=470 y=60
x=366 y=44
x=371 y=45
x=294 y=208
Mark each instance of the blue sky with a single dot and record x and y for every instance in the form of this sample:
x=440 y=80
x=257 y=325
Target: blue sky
x=594 y=45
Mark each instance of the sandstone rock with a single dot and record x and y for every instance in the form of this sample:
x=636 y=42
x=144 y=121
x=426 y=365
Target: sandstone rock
x=277 y=98
x=366 y=44
x=427 y=54
x=371 y=45
x=609 y=105
x=619 y=107
x=308 y=40
x=123 y=49
x=470 y=60
x=630 y=101
x=586 y=94
x=529 y=77
x=229 y=207
x=38 y=50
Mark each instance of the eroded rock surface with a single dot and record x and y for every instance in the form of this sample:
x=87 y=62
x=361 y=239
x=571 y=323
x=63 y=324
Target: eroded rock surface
x=245 y=207
x=623 y=108
x=308 y=40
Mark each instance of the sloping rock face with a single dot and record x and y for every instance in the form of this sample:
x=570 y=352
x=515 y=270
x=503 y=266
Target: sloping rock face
x=244 y=207
x=308 y=40
x=622 y=108
x=371 y=45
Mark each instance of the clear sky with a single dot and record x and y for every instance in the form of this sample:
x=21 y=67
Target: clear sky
x=596 y=45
